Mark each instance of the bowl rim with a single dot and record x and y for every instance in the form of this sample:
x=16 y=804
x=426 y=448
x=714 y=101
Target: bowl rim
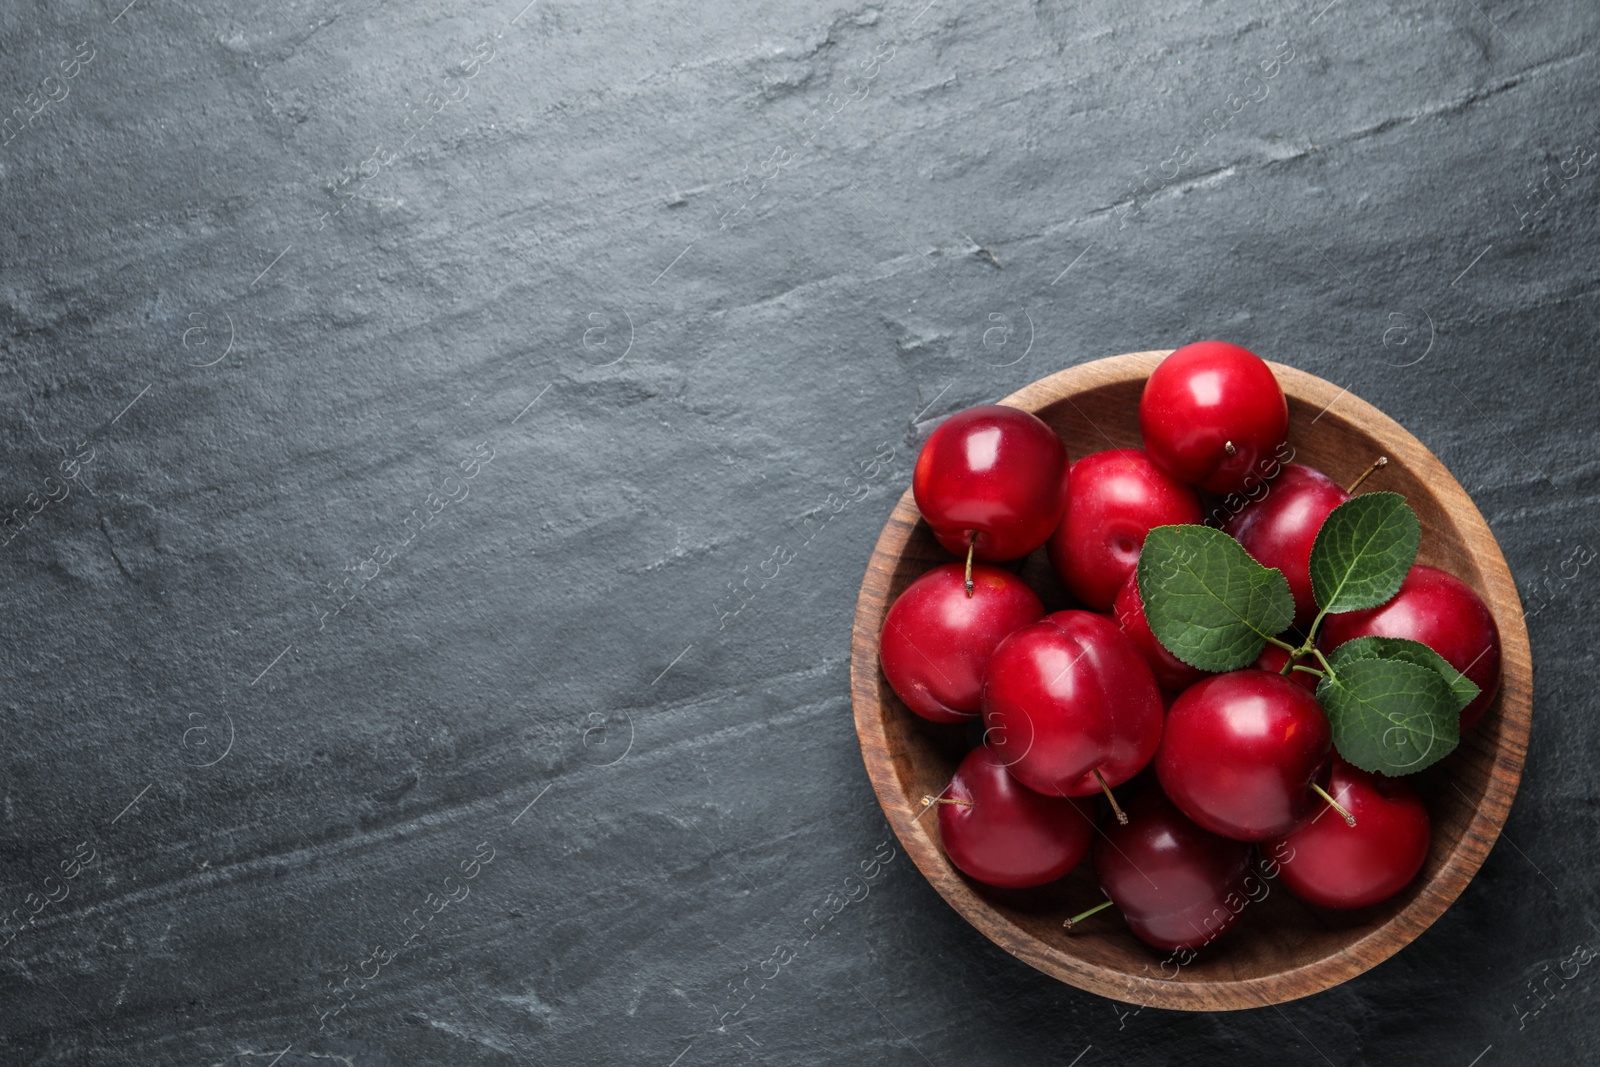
x=1503 y=775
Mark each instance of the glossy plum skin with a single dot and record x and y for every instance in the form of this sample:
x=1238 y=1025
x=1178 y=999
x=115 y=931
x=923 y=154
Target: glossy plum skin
x=1240 y=751
x=937 y=641
x=1334 y=865
x=1200 y=399
x=1170 y=671
x=1279 y=528
x=996 y=472
x=1177 y=884
x=1116 y=497
x=1067 y=696
x=1442 y=612
x=1009 y=836
x=1273 y=658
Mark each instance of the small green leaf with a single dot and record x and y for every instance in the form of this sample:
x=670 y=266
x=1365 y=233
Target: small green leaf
x=1462 y=688
x=1390 y=716
x=1207 y=601
x=1363 y=551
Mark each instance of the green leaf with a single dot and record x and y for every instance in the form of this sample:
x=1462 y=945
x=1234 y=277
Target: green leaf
x=1462 y=688
x=1207 y=601
x=1363 y=551
x=1389 y=715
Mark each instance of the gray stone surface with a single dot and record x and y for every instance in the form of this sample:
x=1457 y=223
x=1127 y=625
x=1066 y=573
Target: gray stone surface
x=276 y=273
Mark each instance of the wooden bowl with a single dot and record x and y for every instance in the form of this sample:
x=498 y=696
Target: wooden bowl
x=1282 y=949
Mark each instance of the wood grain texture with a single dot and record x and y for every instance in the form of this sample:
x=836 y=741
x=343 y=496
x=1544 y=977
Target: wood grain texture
x=1282 y=949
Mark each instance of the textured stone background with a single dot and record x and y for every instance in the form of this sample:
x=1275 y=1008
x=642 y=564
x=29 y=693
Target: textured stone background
x=662 y=278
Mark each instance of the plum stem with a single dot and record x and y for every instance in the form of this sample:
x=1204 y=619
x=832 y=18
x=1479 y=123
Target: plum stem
x=1116 y=809
x=1350 y=820
x=1377 y=465
x=972 y=544
x=929 y=801
x=1076 y=919
x=1227 y=446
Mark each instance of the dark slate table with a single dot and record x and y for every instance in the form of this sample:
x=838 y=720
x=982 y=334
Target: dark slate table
x=404 y=405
